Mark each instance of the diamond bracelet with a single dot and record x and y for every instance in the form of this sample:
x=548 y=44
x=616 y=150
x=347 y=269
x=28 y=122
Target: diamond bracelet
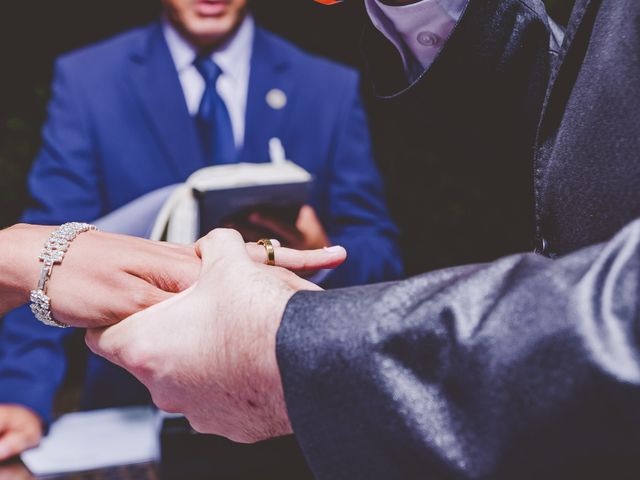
x=53 y=254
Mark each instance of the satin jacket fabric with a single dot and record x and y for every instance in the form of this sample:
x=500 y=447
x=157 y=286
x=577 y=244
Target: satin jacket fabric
x=527 y=367
x=119 y=127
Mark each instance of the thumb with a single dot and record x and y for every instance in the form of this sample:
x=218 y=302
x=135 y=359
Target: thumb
x=222 y=244
x=118 y=342
x=307 y=218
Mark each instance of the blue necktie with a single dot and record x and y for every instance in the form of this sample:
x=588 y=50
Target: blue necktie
x=213 y=121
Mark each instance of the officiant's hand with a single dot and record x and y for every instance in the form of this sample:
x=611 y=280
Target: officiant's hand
x=20 y=429
x=307 y=233
x=215 y=343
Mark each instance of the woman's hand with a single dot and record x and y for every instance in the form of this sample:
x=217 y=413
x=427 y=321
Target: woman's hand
x=102 y=279
x=105 y=278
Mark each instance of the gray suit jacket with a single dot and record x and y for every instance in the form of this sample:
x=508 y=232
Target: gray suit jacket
x=528 y=367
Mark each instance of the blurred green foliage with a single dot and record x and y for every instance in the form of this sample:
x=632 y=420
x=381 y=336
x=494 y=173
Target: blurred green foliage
x=19 y=143
x=23 y=112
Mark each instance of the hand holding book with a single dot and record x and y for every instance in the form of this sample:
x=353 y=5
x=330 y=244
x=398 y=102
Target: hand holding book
x=305 y=232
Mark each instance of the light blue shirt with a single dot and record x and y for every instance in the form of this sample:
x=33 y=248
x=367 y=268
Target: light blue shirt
x=233 y=58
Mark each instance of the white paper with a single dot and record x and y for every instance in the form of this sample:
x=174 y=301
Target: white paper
x=85 y=441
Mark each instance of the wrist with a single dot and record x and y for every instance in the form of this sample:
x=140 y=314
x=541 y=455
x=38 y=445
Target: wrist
x=280 y=424
x=21 y=245
x=260 y=380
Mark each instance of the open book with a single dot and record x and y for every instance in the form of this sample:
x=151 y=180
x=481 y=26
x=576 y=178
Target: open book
x=213 y=194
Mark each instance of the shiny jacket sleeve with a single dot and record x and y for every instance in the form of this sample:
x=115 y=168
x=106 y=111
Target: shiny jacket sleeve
x=523 y=368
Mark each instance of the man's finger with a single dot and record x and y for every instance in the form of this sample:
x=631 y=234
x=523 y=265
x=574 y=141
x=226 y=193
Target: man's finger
x=222 y=244
x=178 y=270
x=105 y=343
x=14 y=443
x=300 y=260
x=114 y=342
x=93 y=340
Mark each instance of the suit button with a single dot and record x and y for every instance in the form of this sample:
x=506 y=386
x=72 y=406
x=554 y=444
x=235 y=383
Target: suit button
x=428 y=39
x=543 y=246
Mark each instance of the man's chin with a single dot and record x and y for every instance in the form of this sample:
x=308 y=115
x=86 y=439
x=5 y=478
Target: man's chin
x=211 y=31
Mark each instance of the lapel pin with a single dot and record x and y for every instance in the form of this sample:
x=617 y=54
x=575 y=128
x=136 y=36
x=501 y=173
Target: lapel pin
x=276 y=99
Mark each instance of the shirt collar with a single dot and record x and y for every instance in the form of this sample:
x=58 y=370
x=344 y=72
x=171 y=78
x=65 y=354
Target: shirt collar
x=384 y=25
x=233 y=57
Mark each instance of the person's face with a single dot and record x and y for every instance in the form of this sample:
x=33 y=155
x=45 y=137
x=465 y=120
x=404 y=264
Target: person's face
x=206 y=23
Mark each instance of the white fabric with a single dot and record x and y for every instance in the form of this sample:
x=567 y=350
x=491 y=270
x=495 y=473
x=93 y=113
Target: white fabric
x=233 y=57
x=418 y=30
x=138 y=217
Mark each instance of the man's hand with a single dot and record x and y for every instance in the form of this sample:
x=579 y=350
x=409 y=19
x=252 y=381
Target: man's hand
x=20 y=429
x=210 y=352
x=307 y=233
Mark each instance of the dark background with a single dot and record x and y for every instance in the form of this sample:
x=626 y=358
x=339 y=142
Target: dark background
x=33 y=33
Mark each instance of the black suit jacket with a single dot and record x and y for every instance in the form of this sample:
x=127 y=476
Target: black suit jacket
x=528 y=367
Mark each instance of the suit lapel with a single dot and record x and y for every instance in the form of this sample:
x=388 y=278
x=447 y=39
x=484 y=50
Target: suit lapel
x=157 y=87
x=567 y=64
x=264 y=119
x=562 y=78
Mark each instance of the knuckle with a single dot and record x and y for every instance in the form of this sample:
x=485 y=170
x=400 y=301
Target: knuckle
x=166 y=403
x=32 y=437
x=144 y=297
x=91 y=341
x=141 y=358
x=243 y=438
x=196 y=424
x=227 y=234
x=141 y=298
x=16 y=443
x=205 y=244
x=201 y=425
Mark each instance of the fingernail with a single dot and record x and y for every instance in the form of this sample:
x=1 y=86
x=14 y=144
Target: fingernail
x=334 y=249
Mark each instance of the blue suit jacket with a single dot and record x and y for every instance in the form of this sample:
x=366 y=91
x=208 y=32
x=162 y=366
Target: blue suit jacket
x=118 y=128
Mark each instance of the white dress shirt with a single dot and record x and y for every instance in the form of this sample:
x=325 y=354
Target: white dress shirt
x=418 y=30
x=233 y=58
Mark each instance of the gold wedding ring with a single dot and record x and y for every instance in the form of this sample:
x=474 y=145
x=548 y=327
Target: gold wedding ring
x=271 y=251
